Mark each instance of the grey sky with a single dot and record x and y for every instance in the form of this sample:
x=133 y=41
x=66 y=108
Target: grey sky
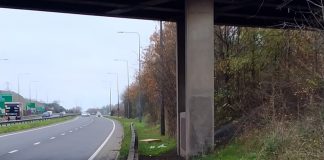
x=68 y=54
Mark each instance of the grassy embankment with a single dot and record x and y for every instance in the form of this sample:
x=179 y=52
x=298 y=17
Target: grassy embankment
x=144 y=131
x=24 y=126
x=297 y=138
x=281 y=139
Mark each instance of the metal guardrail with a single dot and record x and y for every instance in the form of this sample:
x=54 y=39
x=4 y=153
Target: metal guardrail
x=133 y=148
x=12 y=122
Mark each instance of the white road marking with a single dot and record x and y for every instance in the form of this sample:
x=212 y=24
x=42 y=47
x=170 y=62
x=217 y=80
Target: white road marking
x=104 y=143
x=70 y=131
x=37 y=143
x=38 y=128
x=13 y=151
x=52 y=138
x=62 y=134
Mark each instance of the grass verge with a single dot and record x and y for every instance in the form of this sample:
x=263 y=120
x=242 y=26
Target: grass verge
x=25 y=126
x=145 y=131
x=264 y=144
x=233 y=151
x=283 y=139
x=123 y=152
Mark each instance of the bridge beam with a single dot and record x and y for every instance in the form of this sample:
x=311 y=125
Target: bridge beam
x=196 y=78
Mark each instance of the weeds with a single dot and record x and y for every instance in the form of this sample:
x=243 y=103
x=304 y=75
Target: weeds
x=289 y=138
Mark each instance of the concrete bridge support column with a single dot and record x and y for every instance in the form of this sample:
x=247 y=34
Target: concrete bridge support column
x=196 y=78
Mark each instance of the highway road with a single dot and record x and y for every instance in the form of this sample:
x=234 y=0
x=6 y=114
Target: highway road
x=78 y=139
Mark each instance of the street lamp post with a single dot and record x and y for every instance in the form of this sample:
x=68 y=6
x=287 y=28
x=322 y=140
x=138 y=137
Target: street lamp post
x=30 y=83
x=140 y=110
x=128 y=98
x=109 y=89
x=117 y=92
x=18 y=79
x=162 y=116
x=110 y=99
x=3 y=59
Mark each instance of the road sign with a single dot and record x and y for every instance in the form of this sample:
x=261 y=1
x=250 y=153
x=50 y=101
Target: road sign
x=40 y=109
x=30 y=106
x=4 y=98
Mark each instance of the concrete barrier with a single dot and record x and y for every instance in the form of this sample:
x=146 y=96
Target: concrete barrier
x=133 y=148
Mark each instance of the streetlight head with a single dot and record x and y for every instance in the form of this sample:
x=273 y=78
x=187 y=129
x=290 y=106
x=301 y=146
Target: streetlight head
x=4 y=59
x=120 y=32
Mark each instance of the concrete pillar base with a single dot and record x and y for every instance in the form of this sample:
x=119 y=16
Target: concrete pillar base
x=196 y=133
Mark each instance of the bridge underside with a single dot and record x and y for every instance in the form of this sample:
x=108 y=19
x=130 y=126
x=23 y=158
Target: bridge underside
x=259 y=13
x=195 y=28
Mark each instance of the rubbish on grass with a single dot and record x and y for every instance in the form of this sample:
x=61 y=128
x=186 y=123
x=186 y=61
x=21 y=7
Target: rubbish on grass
x=150 y=140
x=162 y=146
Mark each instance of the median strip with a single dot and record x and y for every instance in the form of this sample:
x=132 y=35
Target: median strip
x=33 y=126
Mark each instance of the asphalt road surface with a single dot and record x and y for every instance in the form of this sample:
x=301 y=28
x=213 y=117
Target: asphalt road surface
x=79 y=139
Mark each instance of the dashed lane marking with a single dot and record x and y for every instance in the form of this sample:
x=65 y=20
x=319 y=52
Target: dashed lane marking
x=37 y=143
x=13 y=151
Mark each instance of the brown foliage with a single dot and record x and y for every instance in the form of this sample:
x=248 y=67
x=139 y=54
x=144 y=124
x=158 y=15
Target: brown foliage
x=158 y=79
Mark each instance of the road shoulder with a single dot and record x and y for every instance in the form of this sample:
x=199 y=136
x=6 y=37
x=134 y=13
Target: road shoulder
x=111 y=150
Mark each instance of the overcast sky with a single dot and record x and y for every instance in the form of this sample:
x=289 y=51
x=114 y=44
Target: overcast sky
x=67 y=56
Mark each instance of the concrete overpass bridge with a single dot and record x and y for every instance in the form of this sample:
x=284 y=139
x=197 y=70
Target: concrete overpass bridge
x=195 y=52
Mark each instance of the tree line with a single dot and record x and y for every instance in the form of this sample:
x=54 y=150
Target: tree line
x=275 y=72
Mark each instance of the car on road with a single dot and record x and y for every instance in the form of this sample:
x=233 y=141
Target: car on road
x=62 y=114
x=85 y=115
x=98 y=114
x=47 y=114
